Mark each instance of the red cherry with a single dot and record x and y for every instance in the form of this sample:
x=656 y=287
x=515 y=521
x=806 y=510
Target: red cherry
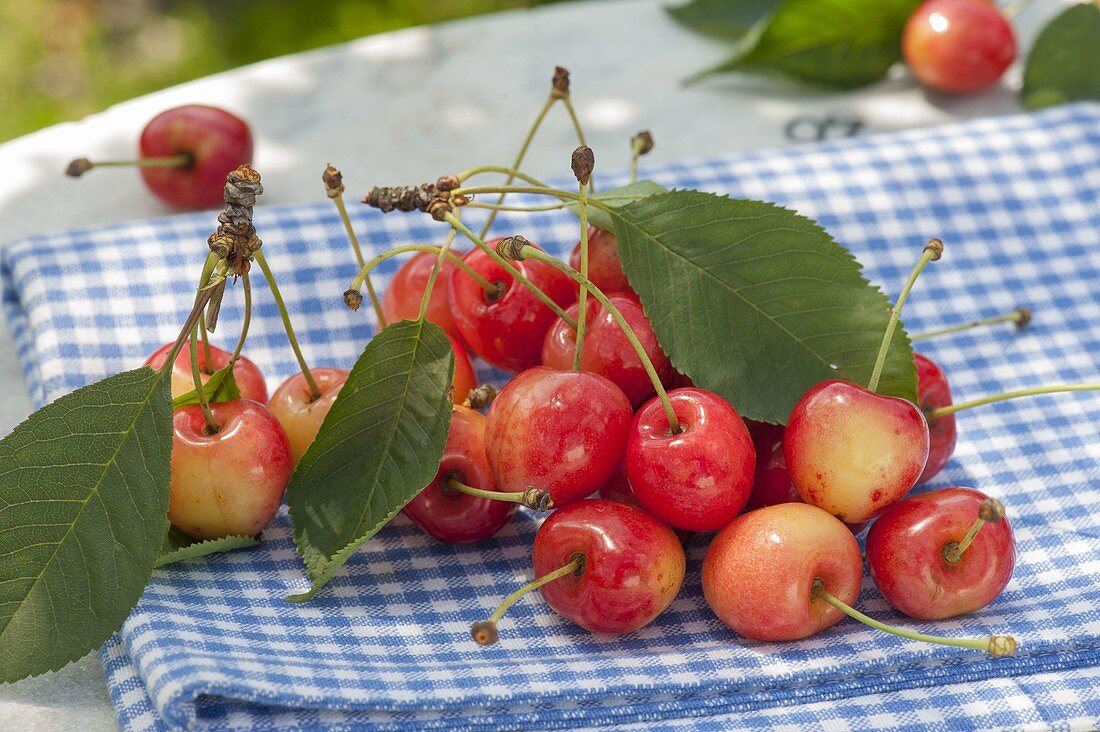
x=700 y=478
x=853 y=452
x=301 y=415
x=934 y=392
x=958 y=46
x=759 y=572
x=249 y=379
x=909 y=553
x=633 y=565
x=605 y=269
x=401 y=300
x=230 y=482
x=452 y=516
x=217 y=143
x=464 y=378
x=561 y=431
x=507 y=330
x=606 y=350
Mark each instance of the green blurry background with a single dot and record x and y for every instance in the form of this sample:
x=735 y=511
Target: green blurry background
x=63 y=59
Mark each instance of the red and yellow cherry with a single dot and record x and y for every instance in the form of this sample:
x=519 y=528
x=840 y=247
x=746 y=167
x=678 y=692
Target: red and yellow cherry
x=605 y=268
x=696 y=479
x=401 y=300
x=934 y=392
x=464 y=378
x=562 y=431
x=451 y=516
x=607 y=351
x=958 y=46
x=299 y=412
x=853 y=452
x=506 y=327
x=228 y=483
x=185 y=153
x=759 y=572
x=249 y=379
x=943 y=553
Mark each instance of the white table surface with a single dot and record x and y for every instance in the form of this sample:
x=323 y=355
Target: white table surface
x=408 y=106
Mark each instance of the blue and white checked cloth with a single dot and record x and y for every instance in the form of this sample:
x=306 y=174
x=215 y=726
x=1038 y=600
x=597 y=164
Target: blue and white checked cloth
x=213 y=645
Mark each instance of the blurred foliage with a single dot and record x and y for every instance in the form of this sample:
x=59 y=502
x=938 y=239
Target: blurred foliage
x=63 y=59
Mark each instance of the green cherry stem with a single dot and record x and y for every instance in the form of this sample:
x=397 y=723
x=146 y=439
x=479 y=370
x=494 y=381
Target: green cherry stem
x=1020 y=317
x=536 y=499
x=996 y=646
x=533 y=190
x=511 y=172
x=246 y=286
x=314 y=390
x=526 y=251
x=204 y=278
x=485 y=631
x=990 y=511
x=1057 y=389
x=583 y=162
x=80 y=166
x=518 y=209
x=202 y=297
x=338 y=199
x=429 y=286
x=361 y=277
x=212 y=425
x=933 y=250
x=640 y=145
x=577 y=127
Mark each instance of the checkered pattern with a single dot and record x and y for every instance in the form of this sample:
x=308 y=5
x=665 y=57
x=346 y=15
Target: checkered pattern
x=213 y=645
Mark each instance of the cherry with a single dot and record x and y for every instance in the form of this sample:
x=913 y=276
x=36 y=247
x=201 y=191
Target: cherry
x=299 y=413
x=606 y=349
x=853 y=452
x=606 y=566
x=401 y=300
x=447 y=514
x=605 y=269
x=943 y=553
x=934 y=392
x=562 y=431
x=958 y=46
x=507 y=328
x=185 y=154
x=230 y=482
x=249 y=379
x=464 y=378
x=697 y=478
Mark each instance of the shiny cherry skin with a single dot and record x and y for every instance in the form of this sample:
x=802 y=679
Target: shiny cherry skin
x=853 y=452
x=455 y=517
x=464 y=377
x=217 y=141
x=759 y=572
x=299 y=414
x=905 y=553
x=700 y=478
x=229 y=483
x=934 y=392
x=562 y=431
x=605 y=269
x=607 y=351
x=249 y=379
x=633 y=565
x=506 y=330
x=401 y=300
x=958 y=46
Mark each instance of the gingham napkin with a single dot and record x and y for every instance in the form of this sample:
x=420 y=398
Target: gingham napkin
x=213 y=644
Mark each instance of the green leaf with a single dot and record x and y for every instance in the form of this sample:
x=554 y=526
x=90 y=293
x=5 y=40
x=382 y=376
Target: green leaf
x=617 y=197
x=722 y=18
x=83 y=505
x=378 y=447
x=835 y=43
x=1064 y=63
x=756 y=302
x=178 y=546
x=220 y=387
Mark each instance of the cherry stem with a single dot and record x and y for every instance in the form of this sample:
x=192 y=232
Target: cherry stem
x=582 y=300
x=518 y=209
x=429 y=286
x=933 y=250
x=996 y=645
x=1019 y=316
x=1057 y=389
x=577 y=126
x=212 y=425
x=513 y=173
x=314 y=390
x=246 y=286
x=536 y=499
x=490 y=288
x=339 y=201
x=518 y=276
x=636 y=146
x=535 y=191
x=80 y=166
x=485 y=631
x=202 y=297
x=990 y=510
x=204 y=278
x=529 y=252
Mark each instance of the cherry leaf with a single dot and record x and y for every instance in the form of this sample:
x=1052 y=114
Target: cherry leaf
x=1064 y=63
x=378 y=447
x=178 y=546
x=755 y=302
x=83 y=505
x=220 y=387
x=722 y=18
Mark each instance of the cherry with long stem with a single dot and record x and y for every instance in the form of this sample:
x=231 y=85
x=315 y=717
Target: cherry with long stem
x=485 y=631
x=314 y=390
x=990 y=511
x=1057 y=389
x=583 y=161
x=534 y=498
x=80 y=166
x=334 y=188
x=1020 y=317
